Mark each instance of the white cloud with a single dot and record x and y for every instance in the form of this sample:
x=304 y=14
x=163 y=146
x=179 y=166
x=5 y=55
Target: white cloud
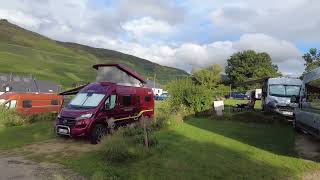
x=159 y=28
x=191 y=55
x=146 y=26
x=295 y=20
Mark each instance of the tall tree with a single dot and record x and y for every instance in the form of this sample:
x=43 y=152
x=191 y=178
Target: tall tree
x=209 y=77
x=249 y=65
x=312 y=60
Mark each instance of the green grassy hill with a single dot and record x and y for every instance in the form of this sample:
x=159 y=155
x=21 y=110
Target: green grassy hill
x=26 y=52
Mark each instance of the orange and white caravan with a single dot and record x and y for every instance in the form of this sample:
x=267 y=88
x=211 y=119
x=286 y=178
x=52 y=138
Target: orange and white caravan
x=32 y=103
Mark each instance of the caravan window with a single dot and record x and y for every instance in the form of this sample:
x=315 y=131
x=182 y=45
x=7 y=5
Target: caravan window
x=126 y=100
x=27 y=104
x=11 y=104
x=147 y=99
x=54 y=102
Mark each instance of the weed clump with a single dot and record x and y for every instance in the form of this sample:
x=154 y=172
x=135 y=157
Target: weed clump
x=10 y=117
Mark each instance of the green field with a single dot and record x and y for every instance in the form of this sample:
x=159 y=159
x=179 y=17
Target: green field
x=208 y=149
x=199 y=148
x=25 y=52
x=19 y=136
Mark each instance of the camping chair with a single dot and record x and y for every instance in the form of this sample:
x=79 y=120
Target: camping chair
x=249 y=106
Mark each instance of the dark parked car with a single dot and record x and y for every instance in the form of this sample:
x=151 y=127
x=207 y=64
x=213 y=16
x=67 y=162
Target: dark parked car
x=237 y=95
x=162 y=97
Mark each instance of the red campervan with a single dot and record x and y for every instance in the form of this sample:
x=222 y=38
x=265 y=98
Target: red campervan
x=123 y=99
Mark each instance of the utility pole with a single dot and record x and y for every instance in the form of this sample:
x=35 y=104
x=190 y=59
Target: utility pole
x=154 y=81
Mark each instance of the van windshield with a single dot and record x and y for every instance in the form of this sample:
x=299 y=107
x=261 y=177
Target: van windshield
x=86 y=100
x=284 y=90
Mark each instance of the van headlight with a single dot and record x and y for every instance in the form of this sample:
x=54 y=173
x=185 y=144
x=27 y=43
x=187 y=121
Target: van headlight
x=84 y=116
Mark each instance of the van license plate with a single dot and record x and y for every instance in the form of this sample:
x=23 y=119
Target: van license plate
x=287 y=113
x=63 y=131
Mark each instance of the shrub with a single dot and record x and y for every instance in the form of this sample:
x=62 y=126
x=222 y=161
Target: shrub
x=41 y=117
x=184 y=92
x=10 y=118
x=128 y=143
x=116 y=148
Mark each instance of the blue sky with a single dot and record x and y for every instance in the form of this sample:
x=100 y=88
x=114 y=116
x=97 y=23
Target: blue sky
x=182 y=34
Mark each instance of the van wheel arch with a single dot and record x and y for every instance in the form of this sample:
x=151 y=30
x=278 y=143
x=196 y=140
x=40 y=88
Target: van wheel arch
x=97 y=133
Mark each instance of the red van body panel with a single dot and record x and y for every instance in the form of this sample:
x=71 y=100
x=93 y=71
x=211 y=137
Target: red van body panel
x=131 y=103
x=34 y=103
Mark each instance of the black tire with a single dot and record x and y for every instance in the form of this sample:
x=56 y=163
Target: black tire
x=97 y=133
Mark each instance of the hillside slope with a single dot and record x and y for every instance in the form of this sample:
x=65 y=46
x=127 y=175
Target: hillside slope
x=23 y=51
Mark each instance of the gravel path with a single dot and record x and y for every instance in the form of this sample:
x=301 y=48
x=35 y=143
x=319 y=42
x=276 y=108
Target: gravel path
x=18 y=168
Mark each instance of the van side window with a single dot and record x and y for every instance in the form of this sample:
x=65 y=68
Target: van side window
x=147 y=98
x=111 y=101
x=27 y=104
x=126 y=100
x=137 y=99
x=54 y=102
x=313 y=96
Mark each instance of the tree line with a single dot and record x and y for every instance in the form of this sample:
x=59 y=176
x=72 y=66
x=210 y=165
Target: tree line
x=197 y=92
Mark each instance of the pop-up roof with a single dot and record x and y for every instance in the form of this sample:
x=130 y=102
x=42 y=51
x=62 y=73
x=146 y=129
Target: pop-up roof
x=119 y=74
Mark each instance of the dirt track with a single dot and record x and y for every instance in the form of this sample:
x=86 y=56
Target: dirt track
x=13 y=165
x=17 y=168
x=308 y=148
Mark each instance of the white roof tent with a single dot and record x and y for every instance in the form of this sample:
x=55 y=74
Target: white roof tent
x=119 y=74
x=114 y=73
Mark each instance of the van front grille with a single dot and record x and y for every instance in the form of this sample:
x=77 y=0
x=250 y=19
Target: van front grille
x=65 y=121
x=285 y=108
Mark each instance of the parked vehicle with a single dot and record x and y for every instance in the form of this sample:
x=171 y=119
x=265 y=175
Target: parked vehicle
x=237 y=95
x=277 y=93
x=307 y=114
x=162 y=97
x=32 y=103
x=101 y=105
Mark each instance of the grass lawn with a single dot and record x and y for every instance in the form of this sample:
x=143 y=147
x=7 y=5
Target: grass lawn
x=207 y=149
x=13 y=137
x=232 y=102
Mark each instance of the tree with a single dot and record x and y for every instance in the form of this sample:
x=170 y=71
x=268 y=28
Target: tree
x=249 y=65
x=209 y=77
x=312 y=60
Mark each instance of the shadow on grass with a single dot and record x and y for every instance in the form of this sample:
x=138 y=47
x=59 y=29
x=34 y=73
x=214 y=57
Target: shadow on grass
x=270 y=134
x=180 y=157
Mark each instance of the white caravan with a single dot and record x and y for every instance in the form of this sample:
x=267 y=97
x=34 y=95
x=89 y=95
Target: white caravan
x=277 y=94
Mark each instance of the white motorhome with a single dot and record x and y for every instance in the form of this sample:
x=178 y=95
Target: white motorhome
x=277 y=93
x=307 y=114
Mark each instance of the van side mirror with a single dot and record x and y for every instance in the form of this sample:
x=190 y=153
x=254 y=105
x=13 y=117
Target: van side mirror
x=294 y=99
x=106 y=106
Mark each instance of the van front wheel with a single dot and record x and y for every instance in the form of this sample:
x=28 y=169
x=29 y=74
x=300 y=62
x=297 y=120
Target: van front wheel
x=97 y=133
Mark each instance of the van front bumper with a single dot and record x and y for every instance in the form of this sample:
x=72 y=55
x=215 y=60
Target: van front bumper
x=72 y=132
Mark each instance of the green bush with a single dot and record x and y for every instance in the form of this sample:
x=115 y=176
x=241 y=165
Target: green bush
x=41 y=117
x=128 y=143
x=117 y=148
x=184 y=92
x=10 y=118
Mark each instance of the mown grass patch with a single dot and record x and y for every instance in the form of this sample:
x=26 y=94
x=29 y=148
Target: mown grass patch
x=206 y=149
x=18 y=136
